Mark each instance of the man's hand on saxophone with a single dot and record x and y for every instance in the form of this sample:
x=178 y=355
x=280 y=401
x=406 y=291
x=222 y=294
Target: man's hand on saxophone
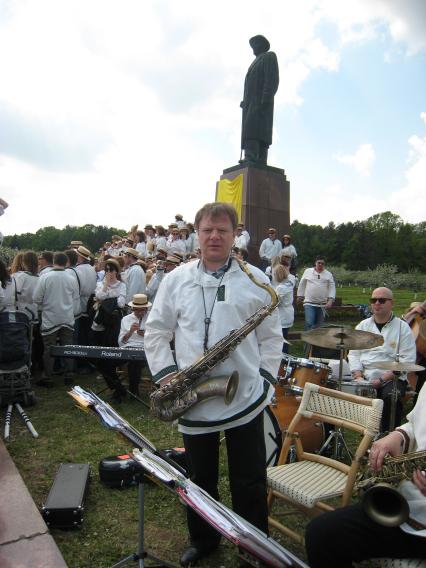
x=392 y=444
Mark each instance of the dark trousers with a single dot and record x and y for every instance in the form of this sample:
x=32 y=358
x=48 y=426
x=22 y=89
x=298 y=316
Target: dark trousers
x=63 y=336
x=385 y=394
x=336 y=539
x=285 y=336
x=247 y=476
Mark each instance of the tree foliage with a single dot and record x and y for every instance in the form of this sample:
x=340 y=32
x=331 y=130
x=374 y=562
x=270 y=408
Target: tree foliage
x=51 y=238
x=383 y=239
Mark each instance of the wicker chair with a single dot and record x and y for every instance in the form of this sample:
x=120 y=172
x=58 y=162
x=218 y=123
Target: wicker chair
x=307 y=483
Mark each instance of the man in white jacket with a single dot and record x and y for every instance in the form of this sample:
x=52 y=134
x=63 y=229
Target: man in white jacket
x=55 y=296
x=198 y=304
x=355 y=536
x=397 y=341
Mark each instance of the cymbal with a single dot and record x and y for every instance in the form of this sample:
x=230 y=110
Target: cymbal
x=396 y=366
x=342 y=337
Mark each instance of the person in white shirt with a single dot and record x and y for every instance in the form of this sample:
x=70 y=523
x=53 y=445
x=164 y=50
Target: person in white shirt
x=245 y=233
x=87 y=279
x=132 y=334
x=110 y=297
x=356 y=536
x=398 y=341
x=176 y=244
x=290 y=250
x=179 y=220
x=199 y=303
x=269 y=248
x=317 y=291
x=283 y=282
x=55 y=295
x=25 y=282
x=7 y=297
x=45 y=262
x=240 y=240
x=140 y=243
x=134 y=275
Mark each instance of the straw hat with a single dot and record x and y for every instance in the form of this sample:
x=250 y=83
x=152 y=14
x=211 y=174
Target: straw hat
x=114 y=263
x=140 y=301
x=132 y=252
x=84 y=252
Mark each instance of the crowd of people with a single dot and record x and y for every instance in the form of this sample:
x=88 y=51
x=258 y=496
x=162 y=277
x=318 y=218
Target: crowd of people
x=183 y=285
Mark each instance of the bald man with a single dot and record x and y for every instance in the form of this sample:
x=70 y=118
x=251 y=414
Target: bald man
x=397 y=340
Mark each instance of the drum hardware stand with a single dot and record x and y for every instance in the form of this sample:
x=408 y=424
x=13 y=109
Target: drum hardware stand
x=336 y=438
x=142 y=553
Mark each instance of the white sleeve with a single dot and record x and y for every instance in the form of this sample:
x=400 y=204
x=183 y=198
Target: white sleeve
x=160 y=326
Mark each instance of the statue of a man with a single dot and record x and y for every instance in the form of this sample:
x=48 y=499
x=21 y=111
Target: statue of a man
x=260 y=86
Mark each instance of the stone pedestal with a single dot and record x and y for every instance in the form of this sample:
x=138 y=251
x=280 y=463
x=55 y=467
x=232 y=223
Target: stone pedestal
x=266 y=202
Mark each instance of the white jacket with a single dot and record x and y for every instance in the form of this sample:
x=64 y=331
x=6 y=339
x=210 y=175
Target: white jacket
x=415 y=428
x=87 y=277
x=390 y=332
x=285 y=308
x=55 y=295
x=179 y=311
x=26 y=284
x=134 y=277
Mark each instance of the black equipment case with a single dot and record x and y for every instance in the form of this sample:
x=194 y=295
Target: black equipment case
x=64 y=506
x=118 y=471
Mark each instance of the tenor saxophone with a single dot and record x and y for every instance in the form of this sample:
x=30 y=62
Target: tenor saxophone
x=187 y=388
x=380 y=499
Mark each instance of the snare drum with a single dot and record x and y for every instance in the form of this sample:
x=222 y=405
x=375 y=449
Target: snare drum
x=284 y=406
x=273 y=437
x=360 y=388
x=307 y=371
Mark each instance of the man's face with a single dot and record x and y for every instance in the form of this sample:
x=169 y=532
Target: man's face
x=128 y=259
x=319 y=265
x=139 y=312
x=286 y=260
x=216 y=237
x=272 y=235
x=383 y=309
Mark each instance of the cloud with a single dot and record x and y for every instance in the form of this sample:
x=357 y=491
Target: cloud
x=423 y=116
x=362 y=161
x=364 y=20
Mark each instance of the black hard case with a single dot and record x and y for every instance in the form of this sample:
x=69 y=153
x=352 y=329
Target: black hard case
x=64 y=506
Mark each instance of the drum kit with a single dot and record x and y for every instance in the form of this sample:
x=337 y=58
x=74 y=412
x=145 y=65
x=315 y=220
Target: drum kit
x=295 y=372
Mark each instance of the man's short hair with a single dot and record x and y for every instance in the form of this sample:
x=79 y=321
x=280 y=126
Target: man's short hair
x=47 y=255
x=72 y=256
x=319 y=257
x=60 y=259
x=215 y=210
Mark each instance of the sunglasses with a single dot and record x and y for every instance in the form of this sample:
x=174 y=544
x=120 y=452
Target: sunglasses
x=380 y=300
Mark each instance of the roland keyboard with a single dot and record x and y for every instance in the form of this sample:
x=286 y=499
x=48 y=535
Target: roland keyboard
x=96 y=352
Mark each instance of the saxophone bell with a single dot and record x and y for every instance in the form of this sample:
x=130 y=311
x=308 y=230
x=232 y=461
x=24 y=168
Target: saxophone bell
x=218 y=386
x=385 y=505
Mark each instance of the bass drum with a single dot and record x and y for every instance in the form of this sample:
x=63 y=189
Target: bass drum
x=273 y=437
x=284 y=407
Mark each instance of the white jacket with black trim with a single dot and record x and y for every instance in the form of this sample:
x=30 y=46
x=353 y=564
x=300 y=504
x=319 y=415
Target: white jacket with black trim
x=179 y=311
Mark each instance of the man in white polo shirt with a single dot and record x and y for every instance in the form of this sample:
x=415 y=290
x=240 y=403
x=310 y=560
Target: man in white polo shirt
x=317 y=292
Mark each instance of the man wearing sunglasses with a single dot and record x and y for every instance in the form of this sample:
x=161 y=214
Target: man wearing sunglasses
x=398 y=341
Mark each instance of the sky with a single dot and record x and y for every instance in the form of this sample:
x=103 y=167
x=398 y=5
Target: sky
x=123 y=112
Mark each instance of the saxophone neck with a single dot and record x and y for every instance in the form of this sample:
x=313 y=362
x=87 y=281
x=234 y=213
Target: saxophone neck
x=274 y=296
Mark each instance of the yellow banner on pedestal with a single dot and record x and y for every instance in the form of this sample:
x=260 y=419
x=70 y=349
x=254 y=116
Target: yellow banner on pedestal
x=231 y=191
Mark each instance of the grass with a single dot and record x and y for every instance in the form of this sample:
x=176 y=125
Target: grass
x=109 y=530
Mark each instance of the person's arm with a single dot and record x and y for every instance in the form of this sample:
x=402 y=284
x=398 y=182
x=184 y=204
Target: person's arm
x=331 y=292
x=159 y=331
x=262 y=249
x=270 y=341
x=301 y=288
